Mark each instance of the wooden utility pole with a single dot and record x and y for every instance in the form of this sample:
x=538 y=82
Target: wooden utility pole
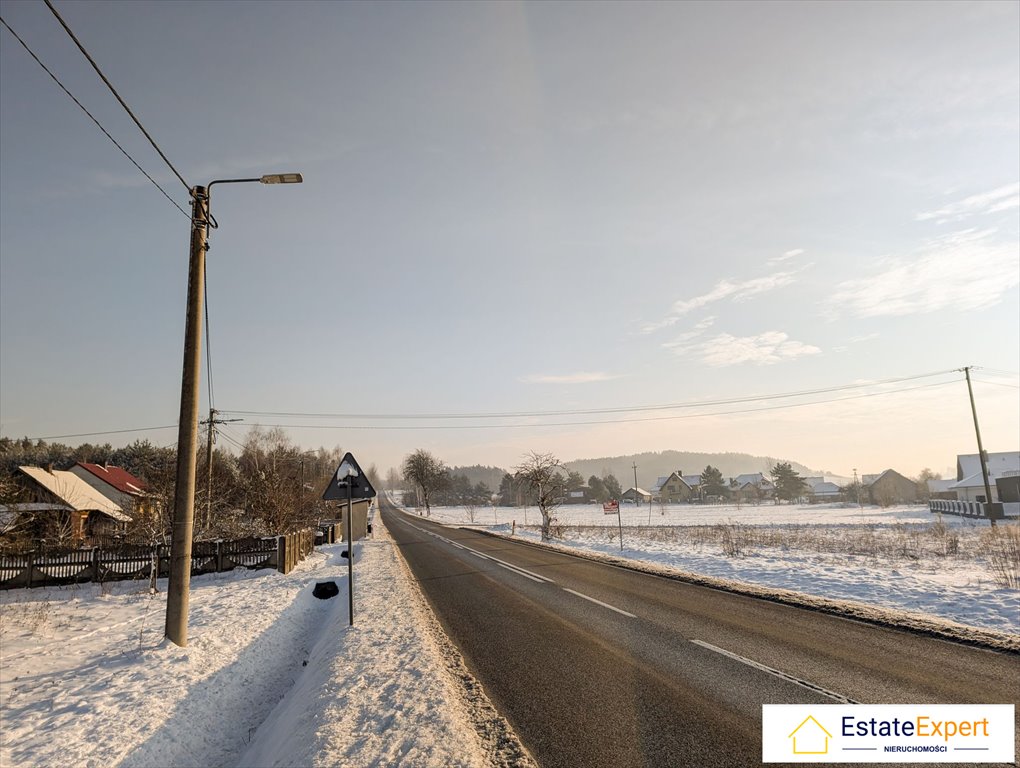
x=178 y=589
x=981 y=450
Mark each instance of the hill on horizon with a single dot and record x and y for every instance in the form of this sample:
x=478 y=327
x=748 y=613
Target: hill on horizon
x=655 y=464
x=651 y=466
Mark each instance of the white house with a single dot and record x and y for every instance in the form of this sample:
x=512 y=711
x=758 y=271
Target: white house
x=970 y=483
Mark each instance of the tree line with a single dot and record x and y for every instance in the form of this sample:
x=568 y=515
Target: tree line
x=267 y=487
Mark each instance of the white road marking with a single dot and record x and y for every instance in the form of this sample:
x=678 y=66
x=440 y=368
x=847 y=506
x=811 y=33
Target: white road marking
x=509 y=566
x=777 y=673
x=599 y=602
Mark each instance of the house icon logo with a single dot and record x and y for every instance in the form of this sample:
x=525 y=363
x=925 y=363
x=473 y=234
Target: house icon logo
x=810 y=738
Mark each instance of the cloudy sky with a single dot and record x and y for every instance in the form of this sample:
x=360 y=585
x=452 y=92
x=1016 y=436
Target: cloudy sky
x=563 y=212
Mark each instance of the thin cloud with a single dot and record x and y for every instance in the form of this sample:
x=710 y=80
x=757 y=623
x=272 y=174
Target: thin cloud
x=785 y=257
x=995 y=201
x=962 y=271
x=762 y=349
x=581 y=377
x=688 y=336
x=724 y=289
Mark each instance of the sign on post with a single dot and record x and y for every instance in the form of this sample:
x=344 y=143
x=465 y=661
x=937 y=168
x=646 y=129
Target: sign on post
x=339 y=490
x=613 y=508
x=349 y=483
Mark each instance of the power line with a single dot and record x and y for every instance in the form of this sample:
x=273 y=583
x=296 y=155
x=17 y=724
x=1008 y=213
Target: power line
x=114 y=92
x=93 y=118
x=378 y=427
x=96 y=434
x=591 y=411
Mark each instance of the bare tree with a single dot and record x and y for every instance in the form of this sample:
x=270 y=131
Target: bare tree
x=545 y=475
x=427 y=473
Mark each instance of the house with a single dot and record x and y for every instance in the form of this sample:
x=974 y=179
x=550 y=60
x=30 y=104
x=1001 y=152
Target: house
x=820 y=489
x=752 y=487
x=120 y=486
x=637 y=495
x=90 y=514
x=941 y=489
x=677 y=488
x=890 y=487
x=970 y=484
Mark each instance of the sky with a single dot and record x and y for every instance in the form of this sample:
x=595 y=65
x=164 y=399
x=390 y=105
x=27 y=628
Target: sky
x=522 y=208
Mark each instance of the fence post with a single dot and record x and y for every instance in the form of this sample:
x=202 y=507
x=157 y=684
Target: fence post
x=219 y=556
x=95 y=564
x=281 y=554
x=31 y=568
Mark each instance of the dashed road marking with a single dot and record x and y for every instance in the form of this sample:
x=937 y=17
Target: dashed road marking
x=599 y=602
x=777 y=673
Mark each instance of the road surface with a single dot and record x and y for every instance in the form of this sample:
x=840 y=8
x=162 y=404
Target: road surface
x=596 y=665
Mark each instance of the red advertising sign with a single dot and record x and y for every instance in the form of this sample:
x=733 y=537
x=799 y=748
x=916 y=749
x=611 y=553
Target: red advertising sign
x=611 y=507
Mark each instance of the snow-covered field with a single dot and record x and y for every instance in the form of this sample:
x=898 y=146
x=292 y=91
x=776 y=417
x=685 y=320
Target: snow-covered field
x=271 y=675
x=903 y=558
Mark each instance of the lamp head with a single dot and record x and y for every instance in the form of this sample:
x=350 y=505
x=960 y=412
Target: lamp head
x=282 y=178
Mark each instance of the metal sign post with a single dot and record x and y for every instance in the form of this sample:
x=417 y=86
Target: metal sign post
x=614 y=506
x=349 y=477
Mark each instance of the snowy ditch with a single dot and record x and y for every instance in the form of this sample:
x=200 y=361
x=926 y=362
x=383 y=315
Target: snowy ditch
x=271 y=676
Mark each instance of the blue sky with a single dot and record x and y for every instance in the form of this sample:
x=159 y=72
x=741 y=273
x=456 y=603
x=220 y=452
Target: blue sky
x=522 y=207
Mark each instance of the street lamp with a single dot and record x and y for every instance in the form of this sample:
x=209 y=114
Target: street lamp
x=176 y=629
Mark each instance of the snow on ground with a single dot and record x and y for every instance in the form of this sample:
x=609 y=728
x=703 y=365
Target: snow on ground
x=900 y=557
x=271 y=675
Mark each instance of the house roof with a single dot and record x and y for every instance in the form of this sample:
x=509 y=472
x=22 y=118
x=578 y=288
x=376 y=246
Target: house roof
x=75 y=492
x=998 y=464
x=118 y=477
x=753 y=478
x=976 y=480
x=939 y=486
x=641 y=491
x=872 y=479
x=825 y=488
x=661 y=482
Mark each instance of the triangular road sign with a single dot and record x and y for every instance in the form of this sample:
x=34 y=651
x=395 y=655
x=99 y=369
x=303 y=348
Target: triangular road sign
x=348 y=472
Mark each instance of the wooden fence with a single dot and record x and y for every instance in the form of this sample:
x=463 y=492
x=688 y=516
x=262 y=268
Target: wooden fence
x=46 y=569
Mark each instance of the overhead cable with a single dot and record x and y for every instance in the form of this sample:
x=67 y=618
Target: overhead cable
x=93 y=118
x=590 y=411
x=601 y=421
x=116 y=95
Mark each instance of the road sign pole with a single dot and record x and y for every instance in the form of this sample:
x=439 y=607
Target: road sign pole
x=619 y=520
x=350 y=551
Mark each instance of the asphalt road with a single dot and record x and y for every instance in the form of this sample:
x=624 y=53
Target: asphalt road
x=595 y=665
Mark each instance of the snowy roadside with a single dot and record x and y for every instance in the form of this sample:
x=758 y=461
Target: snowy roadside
x=271 y=675
x=884 y=558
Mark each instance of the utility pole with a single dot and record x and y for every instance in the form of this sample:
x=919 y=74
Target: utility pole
x=178 y=589
x=981 y=450
x=213 y=421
